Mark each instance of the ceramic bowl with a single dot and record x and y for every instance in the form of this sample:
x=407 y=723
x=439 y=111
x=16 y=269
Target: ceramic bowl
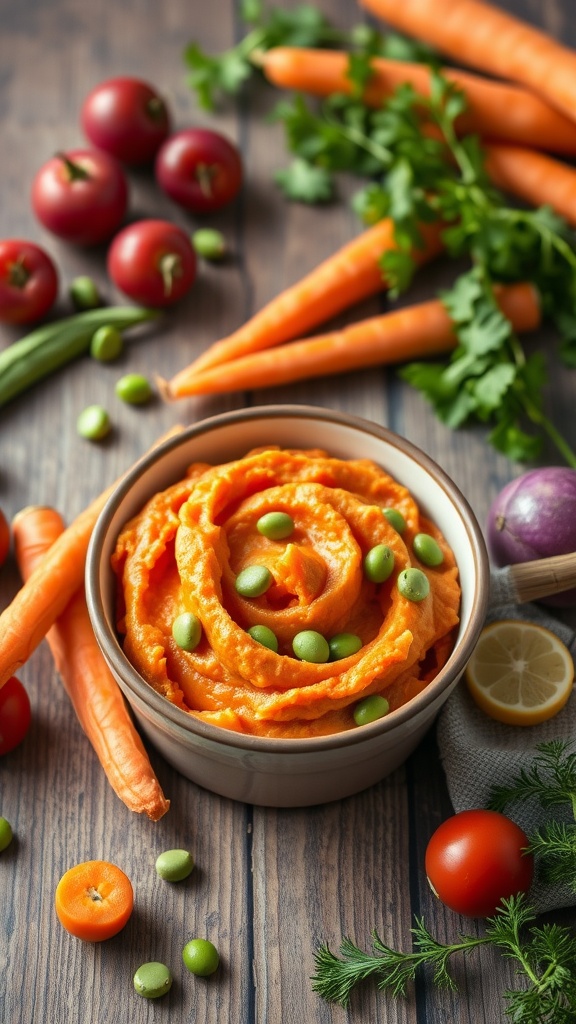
x=288 y=772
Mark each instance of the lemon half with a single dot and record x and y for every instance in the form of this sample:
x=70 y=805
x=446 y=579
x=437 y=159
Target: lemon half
x=520 y=673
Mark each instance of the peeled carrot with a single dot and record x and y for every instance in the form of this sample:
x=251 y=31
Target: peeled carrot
x=353 y=273
x=91 y=687
x=536 y=178
x=39 y=602
x=94 y=900
x=482 y=36
x=496 y=110
x=414 y=332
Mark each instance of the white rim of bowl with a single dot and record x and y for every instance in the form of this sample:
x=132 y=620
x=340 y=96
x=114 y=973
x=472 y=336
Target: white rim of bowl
x=135 y=683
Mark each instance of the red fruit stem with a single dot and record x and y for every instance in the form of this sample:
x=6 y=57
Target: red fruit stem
x=18 y=274
x=205 y=173
x=76 y=172
x=155 y=108
x=170 y=267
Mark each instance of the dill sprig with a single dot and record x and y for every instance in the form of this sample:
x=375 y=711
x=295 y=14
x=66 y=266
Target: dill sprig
x=551 y=781
x=545 y=957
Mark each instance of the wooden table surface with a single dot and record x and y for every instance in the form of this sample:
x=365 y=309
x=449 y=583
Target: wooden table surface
x=269 y=884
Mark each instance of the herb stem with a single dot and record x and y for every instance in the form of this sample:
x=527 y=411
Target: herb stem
x=540 y=419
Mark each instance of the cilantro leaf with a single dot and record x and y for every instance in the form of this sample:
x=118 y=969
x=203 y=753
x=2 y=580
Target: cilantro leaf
x=211 y=75
x=305 y=183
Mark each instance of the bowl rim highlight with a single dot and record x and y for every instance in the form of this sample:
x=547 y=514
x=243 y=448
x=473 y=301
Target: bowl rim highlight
x=134 y=686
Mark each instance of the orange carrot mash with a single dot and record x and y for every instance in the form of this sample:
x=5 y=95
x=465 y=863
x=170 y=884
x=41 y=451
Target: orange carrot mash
x=184 y=551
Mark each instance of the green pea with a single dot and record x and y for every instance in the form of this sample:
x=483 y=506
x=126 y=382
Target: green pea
x=134 y=389
x=396 y=519
x=93 y=423
x=371 y=709
x=84 y=293
x=379 y=563
x=6 y=834
x=413 y=584
x=254 y=580
x=263 y=635
x=106 y=344
x=308 y=645
x=343 y=645
x=153 y=980
x=427 y=549
x=174 y=865
x=187 y=631
x=275 y=525
x=200 y=957
x=209 y=243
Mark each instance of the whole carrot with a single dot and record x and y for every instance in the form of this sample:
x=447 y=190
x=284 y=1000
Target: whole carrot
x=495 y=110
x=536 y=178
x=351 y=274
x=93 y=691
x=41 y=599
x=414 y=332
x=482 y=36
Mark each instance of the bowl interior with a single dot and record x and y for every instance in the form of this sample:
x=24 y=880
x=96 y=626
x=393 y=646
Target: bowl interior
x=229 y=436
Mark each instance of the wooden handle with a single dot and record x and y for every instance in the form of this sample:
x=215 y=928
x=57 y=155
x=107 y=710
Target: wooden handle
x=543 y=577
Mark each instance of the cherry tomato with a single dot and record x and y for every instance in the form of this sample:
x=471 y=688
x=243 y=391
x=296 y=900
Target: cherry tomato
x=28 y=282
x=4 y=538
x=199 y=169
x=15 y=714
x=80 y=195
x=127 y=118
x=475 y=859
x=153 y=262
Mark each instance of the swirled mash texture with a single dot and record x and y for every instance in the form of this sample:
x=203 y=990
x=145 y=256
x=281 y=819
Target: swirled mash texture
x=185 y=549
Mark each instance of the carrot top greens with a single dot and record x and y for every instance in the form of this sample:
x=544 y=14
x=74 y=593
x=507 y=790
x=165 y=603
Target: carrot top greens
x=214 y=76
x=416 y=176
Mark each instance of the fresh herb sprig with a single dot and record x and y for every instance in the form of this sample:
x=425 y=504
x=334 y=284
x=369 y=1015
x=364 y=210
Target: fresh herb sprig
x=551 y=781
x=545 y=957
x=214 y=76
x=420 y=175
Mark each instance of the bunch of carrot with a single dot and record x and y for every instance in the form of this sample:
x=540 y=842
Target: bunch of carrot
x=51 y=604
x=520 y=118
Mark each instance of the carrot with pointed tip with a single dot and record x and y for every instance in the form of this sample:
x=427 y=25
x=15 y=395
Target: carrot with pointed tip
x=482 y=36
x=91 y=687
x=525 y=122
x=495 y=110
x=41 y=599
x=414 y=332
x=348 y=276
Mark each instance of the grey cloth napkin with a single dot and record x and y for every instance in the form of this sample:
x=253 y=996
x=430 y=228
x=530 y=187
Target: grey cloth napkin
x=478 y=753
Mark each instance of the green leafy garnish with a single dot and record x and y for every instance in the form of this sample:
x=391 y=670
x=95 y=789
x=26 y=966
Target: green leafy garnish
x=305 y=183
x=551 y=781
x=419 y=176
x=545 y=958
x=211 y=76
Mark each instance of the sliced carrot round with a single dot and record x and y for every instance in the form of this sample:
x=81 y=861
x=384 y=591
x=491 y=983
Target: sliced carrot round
x=94 y=900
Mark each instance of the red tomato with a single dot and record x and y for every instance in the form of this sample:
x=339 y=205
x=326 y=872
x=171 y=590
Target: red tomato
x=4 y=538
x=199 y=169
x=80 y=195
x=153 y=262
x=127 y=118
x=475 y=859
x=28 y=282
x=15 y=714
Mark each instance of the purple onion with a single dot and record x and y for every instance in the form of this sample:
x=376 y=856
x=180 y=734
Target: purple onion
x=533 y=517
